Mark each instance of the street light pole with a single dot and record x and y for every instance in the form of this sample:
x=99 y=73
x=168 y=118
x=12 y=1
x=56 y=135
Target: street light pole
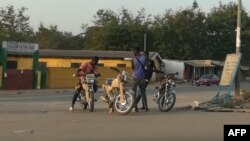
x=145 y=41
x=238 y=43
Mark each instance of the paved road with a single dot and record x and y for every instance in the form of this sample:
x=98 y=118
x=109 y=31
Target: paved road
x=43 y=115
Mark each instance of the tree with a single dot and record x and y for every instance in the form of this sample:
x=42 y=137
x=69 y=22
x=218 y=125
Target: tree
x=47 y=37
x=222 y=22
x=245 y=42
x=51 y=38
x=181 y=34
x=120 y=31
x=15 y=25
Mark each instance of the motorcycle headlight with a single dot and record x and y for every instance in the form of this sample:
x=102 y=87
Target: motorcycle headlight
x=125 y=78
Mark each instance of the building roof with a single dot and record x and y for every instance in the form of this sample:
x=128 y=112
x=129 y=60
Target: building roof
x=218 y=63
x=82 y=53
x=199 y=63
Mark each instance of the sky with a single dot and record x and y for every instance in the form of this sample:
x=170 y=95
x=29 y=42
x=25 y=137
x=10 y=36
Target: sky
x=69 y=15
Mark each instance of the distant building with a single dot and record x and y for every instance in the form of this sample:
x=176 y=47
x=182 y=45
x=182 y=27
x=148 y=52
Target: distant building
x=57 y=66
x=188 y=70
x=173 y=66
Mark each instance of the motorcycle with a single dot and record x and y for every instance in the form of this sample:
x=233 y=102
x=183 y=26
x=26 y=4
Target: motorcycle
x=91 y=82
x=166 y=95
x=116 y=95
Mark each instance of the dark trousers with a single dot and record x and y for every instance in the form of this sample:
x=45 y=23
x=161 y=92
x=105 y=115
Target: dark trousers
x=139 y=96
x=75 y=97
x=141 y=84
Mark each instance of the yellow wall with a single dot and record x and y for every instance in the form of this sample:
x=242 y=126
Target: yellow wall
x=113 y=63
x=66 y=62
x=27 y=63
x=61 y=62
x=62 y=77
x=59 y=71
x=22 y=62
x=1 y=71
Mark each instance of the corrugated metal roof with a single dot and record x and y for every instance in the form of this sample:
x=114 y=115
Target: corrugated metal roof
x=218 y=63
x=199 y=63
x=82 y=53
x=85 y=53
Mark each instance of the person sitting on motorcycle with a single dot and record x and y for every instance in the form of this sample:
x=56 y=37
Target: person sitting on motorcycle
x=85 y=68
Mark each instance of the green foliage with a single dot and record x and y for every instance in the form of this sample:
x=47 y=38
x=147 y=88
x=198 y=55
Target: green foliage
x=182 y=34
x=47 y=37
x=222 y=23
x=120 y=31
x=14 y=25
x=51 y=38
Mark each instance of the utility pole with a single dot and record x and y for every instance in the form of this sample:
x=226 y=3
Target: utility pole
x=145 y=41
x=238 y=43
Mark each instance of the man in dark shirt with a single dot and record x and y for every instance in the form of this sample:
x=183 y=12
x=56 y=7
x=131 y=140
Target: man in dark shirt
x=138 y=66
x=149 y=69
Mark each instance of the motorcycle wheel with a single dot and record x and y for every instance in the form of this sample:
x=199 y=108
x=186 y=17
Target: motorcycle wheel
x=124 y=109
x=91 y=103
x=80 y=100
x=166 y=103
x=84 y=106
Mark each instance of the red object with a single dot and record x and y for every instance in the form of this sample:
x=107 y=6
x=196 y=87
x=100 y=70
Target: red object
x=19 y=79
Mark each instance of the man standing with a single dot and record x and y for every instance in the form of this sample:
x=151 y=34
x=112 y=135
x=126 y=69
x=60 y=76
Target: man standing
x=138 y=66
x=149 y=69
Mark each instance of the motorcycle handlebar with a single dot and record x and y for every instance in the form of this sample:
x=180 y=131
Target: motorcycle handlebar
x=115 y=69
x=158 y=71
x=96 y=75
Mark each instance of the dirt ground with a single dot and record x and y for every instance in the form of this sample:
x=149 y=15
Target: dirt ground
x=50 y=120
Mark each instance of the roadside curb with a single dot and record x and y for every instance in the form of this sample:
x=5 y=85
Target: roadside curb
x=183 y=108
x=204 y=106
x=221 y=109
x=37 y=91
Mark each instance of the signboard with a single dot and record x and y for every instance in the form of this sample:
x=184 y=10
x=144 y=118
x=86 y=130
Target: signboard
x=230 y=68
x=20 y=47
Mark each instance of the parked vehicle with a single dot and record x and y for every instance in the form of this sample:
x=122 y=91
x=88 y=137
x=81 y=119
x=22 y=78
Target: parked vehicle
x=166 y=95
x=116 y=95
x=208 y=79
x=91 y=81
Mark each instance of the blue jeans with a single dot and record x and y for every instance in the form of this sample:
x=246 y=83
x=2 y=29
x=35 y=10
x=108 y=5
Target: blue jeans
x=141 y=84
